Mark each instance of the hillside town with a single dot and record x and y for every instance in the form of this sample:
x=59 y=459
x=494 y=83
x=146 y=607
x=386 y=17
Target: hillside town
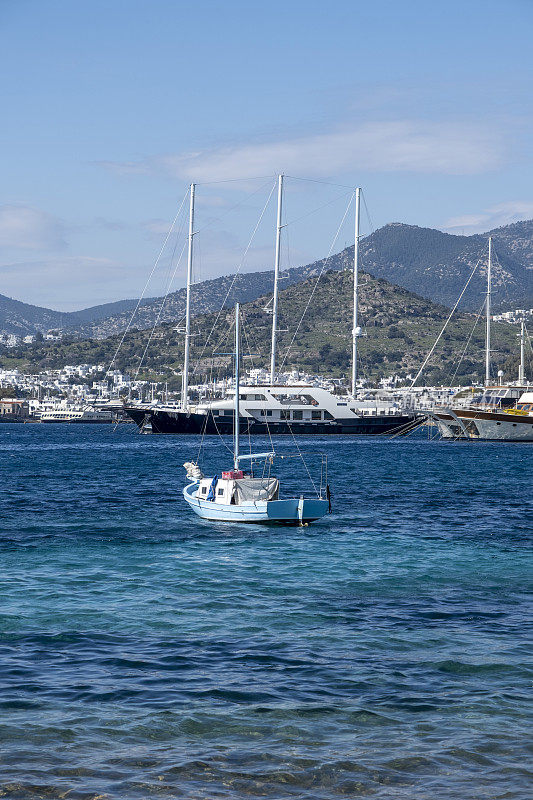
x=84 y=386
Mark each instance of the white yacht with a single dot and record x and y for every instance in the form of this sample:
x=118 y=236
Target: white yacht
x=285 y=409
x=275 y=408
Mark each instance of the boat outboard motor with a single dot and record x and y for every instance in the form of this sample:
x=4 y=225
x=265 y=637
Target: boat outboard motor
x=328 y=498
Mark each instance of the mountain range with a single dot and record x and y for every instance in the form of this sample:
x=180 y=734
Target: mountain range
x=401 y=327
x=434 y=264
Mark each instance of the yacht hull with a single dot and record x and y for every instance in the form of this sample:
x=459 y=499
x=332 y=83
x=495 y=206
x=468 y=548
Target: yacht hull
x=485 y=425
x=281 y=512
x=179 y=422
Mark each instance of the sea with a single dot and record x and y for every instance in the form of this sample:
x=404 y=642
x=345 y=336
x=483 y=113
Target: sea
x=382 y=652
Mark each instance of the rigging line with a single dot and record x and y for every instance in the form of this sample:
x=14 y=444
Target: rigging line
x=232 y=208
x=161 y=307
x=250 y=352
x=326 y=260
x=200 y=447
x=314 y=211
x=148 y=281
x=370 y=221
x=466 y=345
x=235 y=180
x=444 y=327
x=324 y=183
x=252 y=360
x=171 y=259
x=235 y=275
x=170 y=280
x=301 y=456
x=220 y=435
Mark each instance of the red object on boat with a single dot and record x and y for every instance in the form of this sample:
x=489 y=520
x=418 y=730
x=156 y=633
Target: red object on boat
x=232 y=475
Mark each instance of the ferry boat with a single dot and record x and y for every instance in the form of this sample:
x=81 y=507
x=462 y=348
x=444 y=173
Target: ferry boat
x=67 y=414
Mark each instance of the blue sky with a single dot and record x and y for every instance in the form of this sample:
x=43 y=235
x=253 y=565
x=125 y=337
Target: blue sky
x=112 y=107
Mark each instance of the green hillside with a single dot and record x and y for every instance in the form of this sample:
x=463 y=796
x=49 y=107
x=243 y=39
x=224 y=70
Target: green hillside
x=400 y=328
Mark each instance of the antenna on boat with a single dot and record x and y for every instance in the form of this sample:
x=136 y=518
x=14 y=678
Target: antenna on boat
x=185 y=377
x=276 y=279
x=355 y=330
x=487 y=308
x=237 y=382
x=521 y=370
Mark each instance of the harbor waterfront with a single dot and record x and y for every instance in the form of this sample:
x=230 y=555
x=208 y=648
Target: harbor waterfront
x=381 y=652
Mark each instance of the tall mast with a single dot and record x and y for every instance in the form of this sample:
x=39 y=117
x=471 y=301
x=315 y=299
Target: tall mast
x=487 y=324
x=355 y=330
x=237 y=382
x=276 y=279
x=185 y=379
x=521 y=376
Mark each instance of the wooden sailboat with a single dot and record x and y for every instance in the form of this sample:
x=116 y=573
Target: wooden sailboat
x=240 y=497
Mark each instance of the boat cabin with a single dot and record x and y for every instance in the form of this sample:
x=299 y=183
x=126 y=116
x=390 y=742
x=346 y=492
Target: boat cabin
x=234 y=491
x=525 y=403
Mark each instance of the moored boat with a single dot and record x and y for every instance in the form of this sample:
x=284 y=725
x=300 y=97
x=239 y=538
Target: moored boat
x=500 y=413
x=241 y=497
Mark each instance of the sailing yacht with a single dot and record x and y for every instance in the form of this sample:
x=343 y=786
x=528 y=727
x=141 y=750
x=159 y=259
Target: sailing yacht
x=280 y=408
x=240 y=497
x=498 y=413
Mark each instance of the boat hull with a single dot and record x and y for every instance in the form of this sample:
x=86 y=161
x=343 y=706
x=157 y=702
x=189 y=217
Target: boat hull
x=281 y=512
x=179 y=422
x=484 y=425
x=76 y=421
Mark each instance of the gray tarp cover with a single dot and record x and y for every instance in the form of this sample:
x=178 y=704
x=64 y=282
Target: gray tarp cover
x=249 y=489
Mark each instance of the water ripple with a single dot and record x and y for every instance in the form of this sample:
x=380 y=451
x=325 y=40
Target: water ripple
x=382 y=653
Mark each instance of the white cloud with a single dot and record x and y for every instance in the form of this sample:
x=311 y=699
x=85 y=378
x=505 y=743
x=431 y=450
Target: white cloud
x=407 y=146
x=26 y=228
x=493 y=217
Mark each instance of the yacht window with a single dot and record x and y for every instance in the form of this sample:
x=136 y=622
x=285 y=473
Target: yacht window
x=269 y=412
x=316 y=415
x=285 y=414
x=327 y=415
x=220 y=492
x=297 y=414
x=204 y=489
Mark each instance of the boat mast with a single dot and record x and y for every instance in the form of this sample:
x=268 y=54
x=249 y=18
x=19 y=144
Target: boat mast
x=521 y=376
x=185 y=379
x=487 y=324
x=276 y=279
x=237 y=382
x=355 y=329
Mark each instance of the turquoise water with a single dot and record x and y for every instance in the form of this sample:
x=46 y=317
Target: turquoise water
x=383 y=652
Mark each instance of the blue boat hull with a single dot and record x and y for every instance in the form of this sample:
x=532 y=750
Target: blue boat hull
x=287 y=512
